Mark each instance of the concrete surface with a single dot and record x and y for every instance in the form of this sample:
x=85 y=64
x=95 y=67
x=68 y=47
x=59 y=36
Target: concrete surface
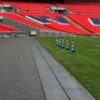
x=19 y=79
x=51 y=86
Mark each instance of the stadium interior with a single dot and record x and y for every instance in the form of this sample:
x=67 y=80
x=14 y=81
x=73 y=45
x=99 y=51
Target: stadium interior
x=71 y=25
x=58 y=16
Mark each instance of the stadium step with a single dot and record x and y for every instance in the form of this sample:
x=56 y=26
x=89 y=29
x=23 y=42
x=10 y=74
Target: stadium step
x=17 y=25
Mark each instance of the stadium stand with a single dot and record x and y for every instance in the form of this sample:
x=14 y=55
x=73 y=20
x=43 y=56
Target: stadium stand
x=85 y=20
x=39 y=16
x=6 y=28
x=29 y=6
x=81 y=8
x=54 y=21
x=21 y=19
x=70 y=28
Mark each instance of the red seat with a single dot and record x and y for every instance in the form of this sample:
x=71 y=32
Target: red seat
x=69 y=28
x=21 y=19
x=82 y=8
x=7 y=28
x=82 y=19
x=29 y=6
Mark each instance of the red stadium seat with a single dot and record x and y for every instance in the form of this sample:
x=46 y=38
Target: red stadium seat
x=7 y=28
x=69 y=27
x=23 y=20
x=30 y=6
x=38 y=16
x=82 y=19
x=81 y=8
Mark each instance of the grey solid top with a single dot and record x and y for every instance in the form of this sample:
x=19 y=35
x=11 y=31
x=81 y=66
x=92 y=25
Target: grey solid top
x=19 y=79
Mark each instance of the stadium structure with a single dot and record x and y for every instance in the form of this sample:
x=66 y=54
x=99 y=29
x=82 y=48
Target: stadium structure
x=27 y=70
x=78 y=18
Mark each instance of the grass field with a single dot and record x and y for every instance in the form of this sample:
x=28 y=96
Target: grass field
x=84 y=65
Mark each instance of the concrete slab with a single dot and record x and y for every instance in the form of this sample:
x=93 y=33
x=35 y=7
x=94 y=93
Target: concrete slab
x=19 y=79
x=52 y=88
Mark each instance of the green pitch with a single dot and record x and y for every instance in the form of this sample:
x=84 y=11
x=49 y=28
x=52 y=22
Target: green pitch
x=84 y=64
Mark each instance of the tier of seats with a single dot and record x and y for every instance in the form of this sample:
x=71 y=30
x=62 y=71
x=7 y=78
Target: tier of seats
x=81 y=8
x=54 y=21
x=23 y=20
x=30 y=6
x=84 y=20
x=51 y=15
x=7 y=28
x=37 y=15
x=69 y=28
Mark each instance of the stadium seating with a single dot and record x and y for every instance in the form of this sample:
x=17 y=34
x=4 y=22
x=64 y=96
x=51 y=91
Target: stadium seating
x=37 y=15
x=23 y=20
x=81 y=8
x=7 y=28
x=68 y=28
x=54 y=21
x=83 y=19
x=30 y=6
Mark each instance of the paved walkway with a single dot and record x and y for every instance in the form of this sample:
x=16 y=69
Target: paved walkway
x=28 y=72
x=19 y=79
